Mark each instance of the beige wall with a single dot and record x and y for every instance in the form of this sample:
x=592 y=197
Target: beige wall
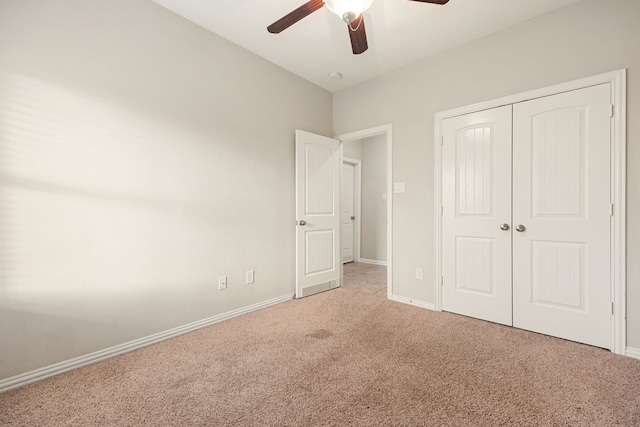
x=584 y=39
x=374 y=208
x=141 y=157
x=352 y=149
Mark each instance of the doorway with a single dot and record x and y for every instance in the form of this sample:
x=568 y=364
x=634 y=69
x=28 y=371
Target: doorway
x=369 y=152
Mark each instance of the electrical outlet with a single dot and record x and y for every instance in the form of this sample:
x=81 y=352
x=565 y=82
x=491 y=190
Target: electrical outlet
x=419 y=274
x=222 y=282
x=249 y=277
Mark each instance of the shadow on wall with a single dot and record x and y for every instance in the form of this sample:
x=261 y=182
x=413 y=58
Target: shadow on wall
x=102 y=227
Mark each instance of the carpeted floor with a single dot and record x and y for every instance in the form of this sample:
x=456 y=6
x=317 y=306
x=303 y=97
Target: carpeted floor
x=346 y=357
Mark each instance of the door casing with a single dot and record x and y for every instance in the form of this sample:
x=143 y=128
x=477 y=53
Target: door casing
x=617 y=79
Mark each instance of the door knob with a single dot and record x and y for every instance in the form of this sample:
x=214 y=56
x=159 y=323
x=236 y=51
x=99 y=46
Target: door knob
x=302 y=222
x=504 y=227
x=353 y=217
x=520 y=228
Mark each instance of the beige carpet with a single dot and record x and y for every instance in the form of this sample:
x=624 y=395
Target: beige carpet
x=346 y=357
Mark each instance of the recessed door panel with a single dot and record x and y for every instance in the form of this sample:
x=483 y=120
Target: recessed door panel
x=558 y=162
x=320 y=246
x=320 y=174
x=474 y=265
x=474 y=170
x=558 y=275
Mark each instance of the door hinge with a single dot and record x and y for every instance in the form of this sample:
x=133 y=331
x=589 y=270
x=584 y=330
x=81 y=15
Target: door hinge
x=612 y=113
x=441 y=280
x=610 y=209
x=441 y=210
x=441 y=139
x=612 y=307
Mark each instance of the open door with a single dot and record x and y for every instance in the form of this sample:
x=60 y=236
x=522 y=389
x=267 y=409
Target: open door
x=317 y=213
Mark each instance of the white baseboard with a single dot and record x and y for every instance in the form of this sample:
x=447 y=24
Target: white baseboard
x=78 y=362
x=372 y=261
x=632 y=352
x=415 y=302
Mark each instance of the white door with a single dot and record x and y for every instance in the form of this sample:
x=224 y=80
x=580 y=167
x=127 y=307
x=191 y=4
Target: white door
x=317 y=213
x=348 y=211
x=476 y=218
x=561 y=202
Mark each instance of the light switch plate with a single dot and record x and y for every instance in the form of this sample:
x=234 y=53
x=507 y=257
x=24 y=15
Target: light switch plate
x=398 y=187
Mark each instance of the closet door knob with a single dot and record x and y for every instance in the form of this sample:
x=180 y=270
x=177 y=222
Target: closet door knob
x=504 y=227
x=520 y=228
x=303 y=222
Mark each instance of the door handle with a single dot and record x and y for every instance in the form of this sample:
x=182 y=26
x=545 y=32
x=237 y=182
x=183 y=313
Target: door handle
x=302 y=222
x=520 y=228
x=353 y=217
x=504 y=227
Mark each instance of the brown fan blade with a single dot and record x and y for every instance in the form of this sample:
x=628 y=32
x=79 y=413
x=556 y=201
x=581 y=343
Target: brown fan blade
x=432 y=1
x=291 y=18
x=358 y=35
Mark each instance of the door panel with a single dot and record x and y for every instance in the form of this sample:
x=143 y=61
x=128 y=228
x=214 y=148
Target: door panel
x=348 y=212
x=317 y=213
x=561 y=184
x=476 y=180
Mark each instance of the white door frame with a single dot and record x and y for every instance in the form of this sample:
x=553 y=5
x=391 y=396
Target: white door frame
x=357 y=203
x=617 y=79
x=366 y=133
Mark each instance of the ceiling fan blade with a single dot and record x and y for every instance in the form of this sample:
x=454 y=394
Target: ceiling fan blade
x=432 y=1
x=291 y=18
x=358 y=35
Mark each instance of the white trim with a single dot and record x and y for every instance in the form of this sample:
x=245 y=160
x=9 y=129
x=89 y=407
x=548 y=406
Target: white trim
x=366 y=133
x=357 y=199
x=414 y=302
x=617 y=79
x=619 y=198
x=372 y=261
x=98 y=356
x=633 y=352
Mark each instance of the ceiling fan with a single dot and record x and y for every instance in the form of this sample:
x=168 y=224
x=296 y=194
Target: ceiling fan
x=350 y=11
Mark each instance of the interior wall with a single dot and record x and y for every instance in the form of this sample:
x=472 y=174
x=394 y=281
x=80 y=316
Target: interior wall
x=352 y=149
x=374 y=203
x=587 y=38
x=141 y=157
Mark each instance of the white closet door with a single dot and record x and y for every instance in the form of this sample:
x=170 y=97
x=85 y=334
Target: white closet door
x=561 y=196
x=476 y=188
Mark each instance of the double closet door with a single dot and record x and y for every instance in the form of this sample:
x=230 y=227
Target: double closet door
x=527 y=215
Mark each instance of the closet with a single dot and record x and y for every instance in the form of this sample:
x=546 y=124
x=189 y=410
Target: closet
x=527 y=215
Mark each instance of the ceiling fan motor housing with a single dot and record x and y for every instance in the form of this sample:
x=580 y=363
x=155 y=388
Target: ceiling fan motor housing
x=349 y=17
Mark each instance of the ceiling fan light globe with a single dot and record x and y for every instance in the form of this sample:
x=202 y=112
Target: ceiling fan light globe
x=351 y=7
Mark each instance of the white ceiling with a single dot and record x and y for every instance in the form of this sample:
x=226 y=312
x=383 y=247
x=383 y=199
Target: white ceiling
x=399 y=32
